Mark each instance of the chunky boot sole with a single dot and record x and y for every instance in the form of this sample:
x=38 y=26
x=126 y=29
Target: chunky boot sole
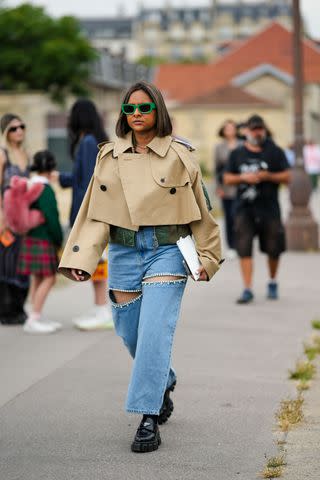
x=145 y=447
x=167 y=410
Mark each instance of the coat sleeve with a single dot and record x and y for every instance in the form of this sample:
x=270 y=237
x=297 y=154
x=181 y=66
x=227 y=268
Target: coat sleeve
x=206 y=232
x=86 y=243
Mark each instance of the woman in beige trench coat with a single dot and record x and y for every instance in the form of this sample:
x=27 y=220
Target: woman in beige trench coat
x=146 y=192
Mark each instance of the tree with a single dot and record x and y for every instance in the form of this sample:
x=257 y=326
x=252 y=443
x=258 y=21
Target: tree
x=42 y=53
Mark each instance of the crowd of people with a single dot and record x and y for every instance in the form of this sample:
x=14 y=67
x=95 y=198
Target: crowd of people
x=138 y=195
x=29 y=257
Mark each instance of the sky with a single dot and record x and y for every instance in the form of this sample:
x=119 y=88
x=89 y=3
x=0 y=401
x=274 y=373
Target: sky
x=310 y=8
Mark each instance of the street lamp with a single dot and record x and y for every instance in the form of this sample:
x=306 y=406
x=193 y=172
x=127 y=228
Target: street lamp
x=301 y=228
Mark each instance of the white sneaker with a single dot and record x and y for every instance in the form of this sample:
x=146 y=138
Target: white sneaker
x=56 y=325
x=231 y=254
x=100 y=320
x=84 y=316
x=34 y=326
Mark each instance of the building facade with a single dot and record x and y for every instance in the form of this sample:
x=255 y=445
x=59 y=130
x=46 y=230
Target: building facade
x=185 y=34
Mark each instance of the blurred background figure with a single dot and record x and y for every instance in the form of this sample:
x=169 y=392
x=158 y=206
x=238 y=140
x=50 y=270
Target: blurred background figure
x=311 y=155
x=13 y=161
x=290 y=154
x=38 y=255
x=257 y=168
x=242 y=130
x=226 y=193
x=86 y=131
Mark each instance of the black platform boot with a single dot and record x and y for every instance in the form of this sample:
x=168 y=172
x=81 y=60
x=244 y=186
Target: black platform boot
x=147 y=438
x=167 y=405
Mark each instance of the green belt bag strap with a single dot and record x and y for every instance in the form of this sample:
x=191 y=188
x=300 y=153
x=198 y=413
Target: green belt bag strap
x=165 y=234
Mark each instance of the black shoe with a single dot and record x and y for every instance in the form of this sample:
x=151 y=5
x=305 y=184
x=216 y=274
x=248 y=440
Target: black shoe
x=147 y=438
x=167 y=405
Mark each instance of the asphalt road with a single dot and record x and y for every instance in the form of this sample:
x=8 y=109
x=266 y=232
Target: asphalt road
x=62 y=396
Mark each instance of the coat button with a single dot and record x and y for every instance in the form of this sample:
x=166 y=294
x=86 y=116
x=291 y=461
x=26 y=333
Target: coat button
x=76 y=248
x=162 y=180
x=103 y=188
x=173 y=191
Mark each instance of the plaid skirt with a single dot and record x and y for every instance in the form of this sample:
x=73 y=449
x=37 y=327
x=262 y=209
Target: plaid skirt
x=38 y=257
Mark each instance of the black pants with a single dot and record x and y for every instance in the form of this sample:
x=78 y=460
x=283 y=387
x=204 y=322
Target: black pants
x=269 y=229
x=13 y=287
x=228 y=205
x=12 y=300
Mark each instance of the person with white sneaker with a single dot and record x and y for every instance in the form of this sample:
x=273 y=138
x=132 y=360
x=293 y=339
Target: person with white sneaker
x=86 y=131
x=38 y=255
x=100 y=317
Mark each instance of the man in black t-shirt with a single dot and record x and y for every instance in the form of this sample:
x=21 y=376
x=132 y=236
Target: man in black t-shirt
x=257 y=168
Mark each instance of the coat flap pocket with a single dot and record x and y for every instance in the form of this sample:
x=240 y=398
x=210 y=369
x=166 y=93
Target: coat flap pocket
x=167 y=176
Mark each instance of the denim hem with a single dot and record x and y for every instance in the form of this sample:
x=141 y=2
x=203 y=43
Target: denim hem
x=164 y=282
x=143 y=412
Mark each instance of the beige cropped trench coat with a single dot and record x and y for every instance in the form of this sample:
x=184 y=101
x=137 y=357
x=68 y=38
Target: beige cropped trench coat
x=129 y=190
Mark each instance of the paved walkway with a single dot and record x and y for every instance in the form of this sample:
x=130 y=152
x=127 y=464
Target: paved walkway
x=61 y=401
x=62 y=396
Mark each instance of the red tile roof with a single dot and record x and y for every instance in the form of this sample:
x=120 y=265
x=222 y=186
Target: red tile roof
x=273 y=45
x=230 y=95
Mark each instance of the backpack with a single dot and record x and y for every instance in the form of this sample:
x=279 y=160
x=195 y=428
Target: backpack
x=17 y=200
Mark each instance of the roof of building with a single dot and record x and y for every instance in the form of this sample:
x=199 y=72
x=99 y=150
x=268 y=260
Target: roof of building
x=230 y=95
x=272 y=46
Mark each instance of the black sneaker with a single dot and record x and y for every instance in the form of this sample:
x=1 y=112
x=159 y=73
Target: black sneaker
x=147 y=438
x=167 y=405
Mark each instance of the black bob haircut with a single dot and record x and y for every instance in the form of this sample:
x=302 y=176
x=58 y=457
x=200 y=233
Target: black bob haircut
x=163 y=123
x=43 y=162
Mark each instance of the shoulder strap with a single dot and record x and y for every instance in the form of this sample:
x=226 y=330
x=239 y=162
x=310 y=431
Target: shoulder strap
x=105 y=148
x=106 y=145
x=184 y=142
x=186 y=158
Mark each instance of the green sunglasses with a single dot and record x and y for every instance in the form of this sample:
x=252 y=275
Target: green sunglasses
x=130 y=108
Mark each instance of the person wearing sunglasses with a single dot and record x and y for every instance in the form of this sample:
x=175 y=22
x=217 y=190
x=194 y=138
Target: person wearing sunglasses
x=146 y=192
x=13 y=161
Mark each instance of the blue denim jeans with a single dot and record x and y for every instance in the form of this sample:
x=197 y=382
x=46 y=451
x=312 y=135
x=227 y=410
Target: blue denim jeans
x=147 y=323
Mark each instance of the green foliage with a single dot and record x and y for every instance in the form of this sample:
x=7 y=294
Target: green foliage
x=316 y=324
x=304 y=371
x=190 y=60
x=42 y=53
x=204 y=169
x=149 y=61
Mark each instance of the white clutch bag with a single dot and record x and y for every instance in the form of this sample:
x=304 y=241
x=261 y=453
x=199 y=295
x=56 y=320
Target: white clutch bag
x=189 y=253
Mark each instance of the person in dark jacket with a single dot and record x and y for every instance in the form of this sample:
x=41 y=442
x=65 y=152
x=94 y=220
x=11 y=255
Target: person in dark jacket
x=86 y=131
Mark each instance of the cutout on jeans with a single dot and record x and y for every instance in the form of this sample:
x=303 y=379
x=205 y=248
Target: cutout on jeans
x=163 y=278
x=123 y=297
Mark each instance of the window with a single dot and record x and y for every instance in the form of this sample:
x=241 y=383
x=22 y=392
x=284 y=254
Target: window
x=150 y=34
x=226 y=33
x=177 y=32
x=197 y=33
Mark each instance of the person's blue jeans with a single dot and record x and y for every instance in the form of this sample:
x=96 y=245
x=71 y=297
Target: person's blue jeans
x=147 y=323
